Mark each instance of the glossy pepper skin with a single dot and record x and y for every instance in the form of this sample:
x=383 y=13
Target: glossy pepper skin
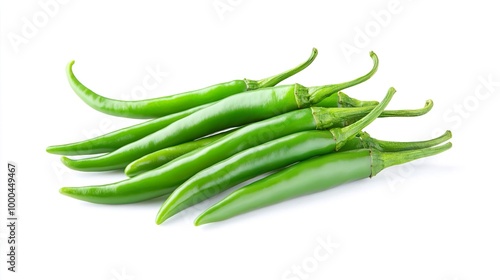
x=114 y=140
x=277 y=154
x=159 y=107
x=272 y=156
x=156 y=159
x=310 y=176
x=164 y=179
x=159 y=158
x=232 y=111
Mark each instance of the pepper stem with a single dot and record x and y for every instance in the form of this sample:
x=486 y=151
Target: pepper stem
x=316 y=94
x=343 y=134
x=393 y=113
x=274 y=80
x=390 y=146
x=340 y=117
x=345 y=100
x=409 y=112
x=382 y=160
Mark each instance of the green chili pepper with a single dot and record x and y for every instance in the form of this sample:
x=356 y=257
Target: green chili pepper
x=275 y=154
x=164 y=179
x=310 y=176
x=159 y=158
x=232 y=111
x=154 y=160
x=116 y=139
x=272 y=156
x=162 y=106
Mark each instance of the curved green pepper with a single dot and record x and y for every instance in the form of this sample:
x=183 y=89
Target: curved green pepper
x=114 y=140
x=272 y=156
x=159 y=107
x=310 y=176
x=230 y=112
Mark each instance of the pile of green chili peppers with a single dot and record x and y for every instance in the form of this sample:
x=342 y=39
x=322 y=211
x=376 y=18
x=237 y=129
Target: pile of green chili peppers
x=200 y=143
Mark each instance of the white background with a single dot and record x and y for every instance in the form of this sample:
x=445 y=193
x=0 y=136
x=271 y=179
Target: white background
x=438 y=219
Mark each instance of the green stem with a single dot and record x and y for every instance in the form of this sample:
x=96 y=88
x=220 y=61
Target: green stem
x=343 y=134
x=274 y=80
x=339 y=117
x=348 y=101
x=390 y=146
x=411 y=112
x=382 y=160
x=316 y=94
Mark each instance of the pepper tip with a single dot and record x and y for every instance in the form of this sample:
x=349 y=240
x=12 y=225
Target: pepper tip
x=203 y=219
x=160 y=218
x=65 y=191
x=129 y=170
x=197 y=222
x=66 y=161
